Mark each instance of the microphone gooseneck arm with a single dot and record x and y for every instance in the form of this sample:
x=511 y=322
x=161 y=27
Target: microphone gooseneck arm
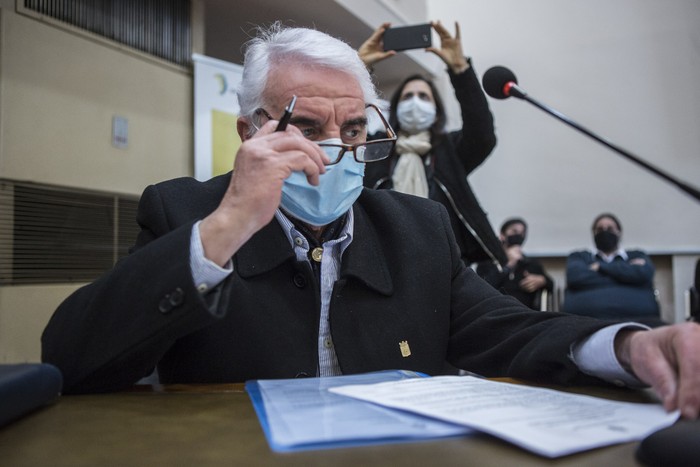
x=511 y=89
x=680 y=184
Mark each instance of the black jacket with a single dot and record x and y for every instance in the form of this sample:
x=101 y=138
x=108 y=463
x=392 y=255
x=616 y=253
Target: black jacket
x=508 y=280
x=401 y=279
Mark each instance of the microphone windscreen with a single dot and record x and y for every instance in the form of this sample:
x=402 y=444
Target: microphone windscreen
x=495 y=79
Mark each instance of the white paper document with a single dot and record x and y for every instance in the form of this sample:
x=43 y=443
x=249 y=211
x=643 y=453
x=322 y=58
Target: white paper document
x=547 y=422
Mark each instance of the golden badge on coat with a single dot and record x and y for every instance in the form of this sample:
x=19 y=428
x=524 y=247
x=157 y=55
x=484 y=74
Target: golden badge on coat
x=405 y=349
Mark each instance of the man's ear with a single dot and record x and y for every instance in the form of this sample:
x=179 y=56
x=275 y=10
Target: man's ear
x=243 y=128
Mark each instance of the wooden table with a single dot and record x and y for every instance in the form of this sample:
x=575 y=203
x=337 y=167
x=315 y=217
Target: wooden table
x=215 y=425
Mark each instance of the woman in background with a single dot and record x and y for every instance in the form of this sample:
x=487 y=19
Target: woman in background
x=430 y=162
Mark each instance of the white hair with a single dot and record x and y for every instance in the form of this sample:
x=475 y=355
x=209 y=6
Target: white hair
x=278 y=44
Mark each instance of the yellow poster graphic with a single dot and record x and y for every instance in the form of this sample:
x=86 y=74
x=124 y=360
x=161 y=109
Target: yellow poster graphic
x=225 y=141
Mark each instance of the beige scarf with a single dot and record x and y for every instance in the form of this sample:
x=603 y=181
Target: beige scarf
x=409 y=173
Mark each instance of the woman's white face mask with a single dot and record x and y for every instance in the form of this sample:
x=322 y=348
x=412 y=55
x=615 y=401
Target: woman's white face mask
x=415 y=115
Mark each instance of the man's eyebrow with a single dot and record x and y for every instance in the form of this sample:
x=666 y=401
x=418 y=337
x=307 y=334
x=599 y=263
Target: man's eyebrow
x=356 y=121
x=306 y=121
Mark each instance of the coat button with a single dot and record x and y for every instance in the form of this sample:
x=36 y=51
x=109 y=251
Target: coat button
x=164 y=305
x=299 y=280
x=171 y=300
x=177 y=297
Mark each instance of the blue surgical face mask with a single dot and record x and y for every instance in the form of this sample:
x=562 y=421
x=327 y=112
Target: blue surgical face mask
x=338 y=189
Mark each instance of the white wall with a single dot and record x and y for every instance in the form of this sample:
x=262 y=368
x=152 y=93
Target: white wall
x=626 y=69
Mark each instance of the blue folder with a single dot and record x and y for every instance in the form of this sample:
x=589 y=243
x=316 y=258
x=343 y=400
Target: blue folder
x=26 y=387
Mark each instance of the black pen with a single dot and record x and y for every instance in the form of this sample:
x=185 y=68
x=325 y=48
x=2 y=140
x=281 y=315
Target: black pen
x=282 y=125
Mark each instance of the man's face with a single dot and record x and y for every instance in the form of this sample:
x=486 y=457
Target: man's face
x=608 y=224
x=330 y=103
x=515 y=229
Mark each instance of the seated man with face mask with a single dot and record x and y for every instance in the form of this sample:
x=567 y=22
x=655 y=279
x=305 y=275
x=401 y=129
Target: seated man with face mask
x=260 y=274
x=608 y=281
x=522 y=277
x=430 y=162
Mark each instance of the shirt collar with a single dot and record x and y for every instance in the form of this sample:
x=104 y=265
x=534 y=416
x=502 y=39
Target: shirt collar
x=344 y=235
x=609 y=258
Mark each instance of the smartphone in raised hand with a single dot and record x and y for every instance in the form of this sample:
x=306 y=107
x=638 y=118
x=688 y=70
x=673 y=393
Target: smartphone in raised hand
x=408 y=37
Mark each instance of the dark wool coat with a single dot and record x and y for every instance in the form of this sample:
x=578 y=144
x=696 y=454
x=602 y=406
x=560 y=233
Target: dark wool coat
x=401 y=279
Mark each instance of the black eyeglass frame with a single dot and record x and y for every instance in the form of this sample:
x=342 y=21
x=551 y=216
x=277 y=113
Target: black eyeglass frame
x=353 y=147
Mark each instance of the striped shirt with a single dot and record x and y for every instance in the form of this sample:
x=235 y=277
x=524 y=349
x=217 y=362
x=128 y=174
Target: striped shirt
x=330 y=271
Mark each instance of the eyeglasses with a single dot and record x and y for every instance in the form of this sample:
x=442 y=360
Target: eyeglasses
x=365 y=151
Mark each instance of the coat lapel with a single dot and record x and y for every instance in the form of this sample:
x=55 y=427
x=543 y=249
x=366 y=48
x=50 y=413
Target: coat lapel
x=266 y=250
x=364 y=259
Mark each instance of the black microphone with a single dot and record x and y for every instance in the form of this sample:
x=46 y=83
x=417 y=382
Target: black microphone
x=500 y=83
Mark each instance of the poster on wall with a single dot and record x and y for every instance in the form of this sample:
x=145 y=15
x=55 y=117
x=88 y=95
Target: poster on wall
x=215 y=113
